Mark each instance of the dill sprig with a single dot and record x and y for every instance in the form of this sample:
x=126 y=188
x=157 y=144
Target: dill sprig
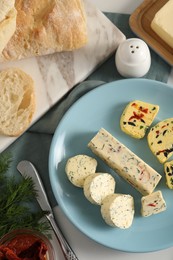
x=15 y=198
x=5 y=160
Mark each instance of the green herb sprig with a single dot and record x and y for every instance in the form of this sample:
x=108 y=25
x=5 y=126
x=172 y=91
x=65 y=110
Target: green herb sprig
x=15 y=197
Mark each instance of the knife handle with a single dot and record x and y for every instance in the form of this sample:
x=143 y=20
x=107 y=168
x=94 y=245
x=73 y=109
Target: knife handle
x=26 y=167
x=66 y=249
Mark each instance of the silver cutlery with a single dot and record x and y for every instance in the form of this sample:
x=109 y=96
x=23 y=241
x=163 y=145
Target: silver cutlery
x=27 y=169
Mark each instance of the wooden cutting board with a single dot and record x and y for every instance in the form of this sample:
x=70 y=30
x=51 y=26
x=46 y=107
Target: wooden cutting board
x=54 y=75
x=140 y=23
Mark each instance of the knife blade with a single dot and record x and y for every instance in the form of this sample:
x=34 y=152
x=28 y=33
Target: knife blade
x=27 y=169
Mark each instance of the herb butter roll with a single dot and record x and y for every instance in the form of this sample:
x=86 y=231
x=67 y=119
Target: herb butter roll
x=97 y=186
x=118 y=210
x=79 y=167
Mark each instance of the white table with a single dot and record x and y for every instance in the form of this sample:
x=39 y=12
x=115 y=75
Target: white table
x=85 y=248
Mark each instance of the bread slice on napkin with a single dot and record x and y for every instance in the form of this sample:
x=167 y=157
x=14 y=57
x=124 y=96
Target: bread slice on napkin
x=17 y=101
x=46 y=26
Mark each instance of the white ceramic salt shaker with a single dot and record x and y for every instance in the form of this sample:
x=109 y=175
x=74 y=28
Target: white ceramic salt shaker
x=133 y=58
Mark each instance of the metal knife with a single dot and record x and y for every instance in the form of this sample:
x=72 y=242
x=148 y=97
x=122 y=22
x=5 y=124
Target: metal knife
x=27 y=169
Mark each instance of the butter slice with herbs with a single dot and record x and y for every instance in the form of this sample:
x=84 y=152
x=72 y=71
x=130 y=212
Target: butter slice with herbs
x=137 y=118
x=117 y=210
x=79 y=167
x=152 y=204
x=162 y=24
x=168 y=169
x=160 y=140
x=123 y=161
x=97 y=186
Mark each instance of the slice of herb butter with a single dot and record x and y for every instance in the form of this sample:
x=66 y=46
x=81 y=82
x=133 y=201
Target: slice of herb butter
x=123 y=161
x=79 y=167
x=118 y=210
x=137 y=118
x=168 y=169
x=97 y=186
x=160 y=140
x=152 y=204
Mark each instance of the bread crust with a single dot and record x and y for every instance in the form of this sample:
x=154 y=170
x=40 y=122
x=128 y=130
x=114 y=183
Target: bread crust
x=46 y=26
x=7 y=28
x=5 y=7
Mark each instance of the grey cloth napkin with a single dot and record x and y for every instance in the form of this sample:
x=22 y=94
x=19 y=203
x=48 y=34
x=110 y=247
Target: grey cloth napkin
x=34 y=145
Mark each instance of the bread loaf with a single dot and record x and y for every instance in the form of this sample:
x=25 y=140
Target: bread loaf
x=17 y=101
x=46 y=26
x=5 y=7
x=8 y=16
x=7 y=28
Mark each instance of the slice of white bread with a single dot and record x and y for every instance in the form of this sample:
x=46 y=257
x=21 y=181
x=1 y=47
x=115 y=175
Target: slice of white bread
x=7 y=28
x=5 y=7
x=17 y=101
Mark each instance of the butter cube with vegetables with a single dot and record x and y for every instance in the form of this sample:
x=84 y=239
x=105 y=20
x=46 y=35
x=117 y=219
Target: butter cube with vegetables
x=160 y=140
x=152 y=204
x=137 y=118
x=168 y=169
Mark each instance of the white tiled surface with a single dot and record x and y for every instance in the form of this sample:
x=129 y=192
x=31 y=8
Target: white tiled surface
x=85 y=248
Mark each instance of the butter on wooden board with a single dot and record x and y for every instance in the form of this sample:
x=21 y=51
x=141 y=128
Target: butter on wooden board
x=162 y=23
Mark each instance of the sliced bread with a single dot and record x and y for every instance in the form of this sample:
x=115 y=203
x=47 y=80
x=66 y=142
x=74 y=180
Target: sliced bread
x=17 y=101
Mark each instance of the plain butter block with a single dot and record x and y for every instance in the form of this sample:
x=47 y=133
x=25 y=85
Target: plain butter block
x=162 y=24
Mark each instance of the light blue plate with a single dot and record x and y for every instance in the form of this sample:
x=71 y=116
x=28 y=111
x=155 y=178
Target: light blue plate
x=102 y=107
